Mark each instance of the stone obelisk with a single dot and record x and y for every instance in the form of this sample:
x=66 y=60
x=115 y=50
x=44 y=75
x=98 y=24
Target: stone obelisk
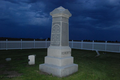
x=58 y=61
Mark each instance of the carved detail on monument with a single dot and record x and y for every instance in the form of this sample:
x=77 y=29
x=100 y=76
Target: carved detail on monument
x=67 y=52
x=56 y=28
x=55 y=36
x=56 y=23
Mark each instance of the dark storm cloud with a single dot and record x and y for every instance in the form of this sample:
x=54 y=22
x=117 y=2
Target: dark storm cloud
x=24 y=14
x=12 y=1
x=89 y=17
x=98 y=13
x=19 y=1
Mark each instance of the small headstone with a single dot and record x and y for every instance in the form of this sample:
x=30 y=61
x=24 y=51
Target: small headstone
x=8 y=59
x=32 y=59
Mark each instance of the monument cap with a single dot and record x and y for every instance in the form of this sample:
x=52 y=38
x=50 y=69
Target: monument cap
x=60 y=11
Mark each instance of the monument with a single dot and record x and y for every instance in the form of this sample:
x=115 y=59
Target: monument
x=58 y=61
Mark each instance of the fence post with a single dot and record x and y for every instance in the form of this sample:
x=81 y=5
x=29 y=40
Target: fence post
x=72 y=43
x=105 y=45
x=21 y=43
x=46 y=43
x=93 y=45
x=6 y=43
x=82 y=44
x=34 y=43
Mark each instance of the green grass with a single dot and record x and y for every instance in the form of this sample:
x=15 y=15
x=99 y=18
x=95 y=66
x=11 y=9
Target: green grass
x=104 y=67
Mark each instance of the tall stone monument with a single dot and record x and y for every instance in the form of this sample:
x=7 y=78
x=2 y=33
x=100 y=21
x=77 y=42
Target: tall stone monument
x=58 y=61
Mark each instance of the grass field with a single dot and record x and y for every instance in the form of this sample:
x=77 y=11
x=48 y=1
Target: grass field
x=104 y=67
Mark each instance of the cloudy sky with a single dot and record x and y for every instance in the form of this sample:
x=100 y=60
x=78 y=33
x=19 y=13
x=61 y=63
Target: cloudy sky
x=91 y=19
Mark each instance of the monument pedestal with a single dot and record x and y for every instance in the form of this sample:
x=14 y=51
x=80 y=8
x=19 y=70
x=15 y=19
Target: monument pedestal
x=60 y=71
x=58 y=61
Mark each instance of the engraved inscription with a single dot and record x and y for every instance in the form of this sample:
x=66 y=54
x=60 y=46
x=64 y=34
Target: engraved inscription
x=67 y=52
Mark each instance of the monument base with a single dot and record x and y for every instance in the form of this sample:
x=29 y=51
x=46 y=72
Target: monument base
x=59 y=71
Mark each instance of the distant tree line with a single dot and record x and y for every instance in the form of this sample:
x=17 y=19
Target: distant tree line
x=19 y=39
x=97 y=41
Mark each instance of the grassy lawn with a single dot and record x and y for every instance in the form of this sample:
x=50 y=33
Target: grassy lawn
x=104 y=67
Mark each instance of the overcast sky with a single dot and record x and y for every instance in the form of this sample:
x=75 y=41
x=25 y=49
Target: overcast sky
x=91 y=19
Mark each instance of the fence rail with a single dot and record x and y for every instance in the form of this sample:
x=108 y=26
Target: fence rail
x=100 y=46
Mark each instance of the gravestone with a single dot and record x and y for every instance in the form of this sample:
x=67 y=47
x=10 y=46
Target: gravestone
x=58 y=61
x=8 y=59
x=32 y=59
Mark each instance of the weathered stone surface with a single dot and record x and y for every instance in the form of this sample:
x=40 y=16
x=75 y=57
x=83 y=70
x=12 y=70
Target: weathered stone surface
x=60 y=11
x=59 y=71
x=32 y=59
x=59 y=52
x=58 y=61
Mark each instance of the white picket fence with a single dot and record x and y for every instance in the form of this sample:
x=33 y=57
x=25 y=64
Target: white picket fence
x=23 y=44
x=100 y=46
